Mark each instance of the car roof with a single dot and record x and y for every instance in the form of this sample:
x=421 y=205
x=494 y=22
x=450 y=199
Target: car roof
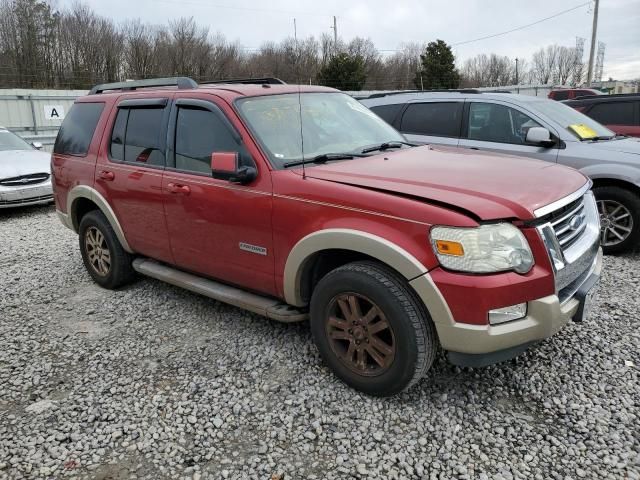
x=403 y=97
x=229 y=91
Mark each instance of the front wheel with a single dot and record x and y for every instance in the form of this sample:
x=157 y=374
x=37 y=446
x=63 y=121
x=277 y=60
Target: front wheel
x=371 y=329
x=619 y=211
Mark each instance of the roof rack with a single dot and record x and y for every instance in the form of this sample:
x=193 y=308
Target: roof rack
x=182 y=83
x=443 y=90
x=248 y=81
x=610 y=95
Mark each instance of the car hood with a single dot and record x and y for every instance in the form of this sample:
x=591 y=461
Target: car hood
x=624 y=145
x=489 y=186
x=14 y=163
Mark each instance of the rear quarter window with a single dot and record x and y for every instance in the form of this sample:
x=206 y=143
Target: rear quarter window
x=78 y=127
x=387 y=112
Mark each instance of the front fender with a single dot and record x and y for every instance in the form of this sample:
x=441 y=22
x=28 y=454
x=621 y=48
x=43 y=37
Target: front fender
x=344 y=239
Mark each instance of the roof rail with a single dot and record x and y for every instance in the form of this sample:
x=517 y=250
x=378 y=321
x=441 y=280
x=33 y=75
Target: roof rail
x=610 y=95
x=182 y=83
x=435 y=90
x=248 y=81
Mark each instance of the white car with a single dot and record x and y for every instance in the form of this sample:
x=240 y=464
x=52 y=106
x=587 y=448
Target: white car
x=25 y=172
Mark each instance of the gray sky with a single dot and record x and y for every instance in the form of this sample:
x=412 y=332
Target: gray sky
x=389 y=23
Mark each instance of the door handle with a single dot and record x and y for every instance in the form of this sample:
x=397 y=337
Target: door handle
x=179 y=189
x=106 y=175
x=474 y=148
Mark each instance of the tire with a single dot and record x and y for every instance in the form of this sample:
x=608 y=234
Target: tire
x=628 y=203
x=410 y=333
x=95 y=230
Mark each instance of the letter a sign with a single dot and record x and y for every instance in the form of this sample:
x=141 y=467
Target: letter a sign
x=53 y=112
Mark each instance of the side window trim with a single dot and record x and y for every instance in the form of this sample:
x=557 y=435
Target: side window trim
x=173 y=126
x=160 y=103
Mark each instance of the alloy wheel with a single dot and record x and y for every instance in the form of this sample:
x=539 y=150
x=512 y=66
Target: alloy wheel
x=616 y=222
x=360 y=335
x=97 y=251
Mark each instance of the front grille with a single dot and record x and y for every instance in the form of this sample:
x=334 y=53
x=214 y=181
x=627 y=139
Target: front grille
x=569 y=223
x=571 y=235
x=20 y=201
x=23 y=180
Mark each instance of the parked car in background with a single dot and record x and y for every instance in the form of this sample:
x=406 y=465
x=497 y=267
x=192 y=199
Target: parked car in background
x=298 y=202
x=569 y=93
x=25 y=172
x=620 y=112
x=530 y=127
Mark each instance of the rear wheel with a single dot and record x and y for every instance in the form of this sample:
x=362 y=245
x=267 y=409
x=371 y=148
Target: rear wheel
x=371 y=329
x=104 y=258
x=619 y=211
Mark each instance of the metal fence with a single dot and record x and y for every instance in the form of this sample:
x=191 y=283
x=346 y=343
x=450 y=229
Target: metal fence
x=36 y=115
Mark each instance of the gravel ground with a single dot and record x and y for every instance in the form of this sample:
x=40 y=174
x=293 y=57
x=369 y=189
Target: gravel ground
x=155 y=382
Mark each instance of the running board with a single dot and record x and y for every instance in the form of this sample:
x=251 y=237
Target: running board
x=265 y=306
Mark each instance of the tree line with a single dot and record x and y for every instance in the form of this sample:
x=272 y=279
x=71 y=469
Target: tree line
x=44 y=47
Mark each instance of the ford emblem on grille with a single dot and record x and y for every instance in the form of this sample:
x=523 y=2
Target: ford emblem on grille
x=576 y=222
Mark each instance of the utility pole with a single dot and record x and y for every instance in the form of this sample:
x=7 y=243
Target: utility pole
x=335 y=33
x=516 y=70
x=592 y=51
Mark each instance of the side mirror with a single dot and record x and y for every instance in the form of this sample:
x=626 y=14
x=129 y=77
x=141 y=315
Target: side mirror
x=36 y=145
x=226 y=166
x=540 y=136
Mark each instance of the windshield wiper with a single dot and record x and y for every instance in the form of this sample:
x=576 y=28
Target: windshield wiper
x=387 y=146
x=324 y=158
x=597 y=139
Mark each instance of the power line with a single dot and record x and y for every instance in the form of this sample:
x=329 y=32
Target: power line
x=523 y=26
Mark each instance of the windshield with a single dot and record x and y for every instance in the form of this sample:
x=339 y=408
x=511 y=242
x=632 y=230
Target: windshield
x=571 y=119
x=331 y=123
x=10 y=141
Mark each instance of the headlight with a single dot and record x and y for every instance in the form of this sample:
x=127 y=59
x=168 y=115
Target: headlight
x=485 y=249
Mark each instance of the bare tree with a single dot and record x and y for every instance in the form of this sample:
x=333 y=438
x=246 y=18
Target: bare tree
x=564 y=65
x=544 y=64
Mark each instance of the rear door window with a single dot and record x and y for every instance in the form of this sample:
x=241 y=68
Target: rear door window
x=613 y=113
x=78 y=127
x=492 y=122
x=138 y=136
x=438 y=119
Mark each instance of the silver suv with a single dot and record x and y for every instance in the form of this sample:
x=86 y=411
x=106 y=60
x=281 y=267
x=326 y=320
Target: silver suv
x=531 y=127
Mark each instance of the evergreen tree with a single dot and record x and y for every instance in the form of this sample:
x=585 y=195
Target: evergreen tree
x=344 y=72
x=438 y=70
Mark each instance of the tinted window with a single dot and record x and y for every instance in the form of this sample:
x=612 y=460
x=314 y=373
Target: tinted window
x=199 y=133
x=387 y=112
x=614 y=113
x=143 y=139
x=561 y=95
x=117 y=136
x=438 y=118
x=491 y=122
x=76 y=132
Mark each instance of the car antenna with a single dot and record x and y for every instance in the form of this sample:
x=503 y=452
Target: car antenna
x=297 y=67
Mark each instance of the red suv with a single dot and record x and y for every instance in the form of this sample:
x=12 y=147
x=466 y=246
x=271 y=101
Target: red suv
x=298 y=202
x=569 y=93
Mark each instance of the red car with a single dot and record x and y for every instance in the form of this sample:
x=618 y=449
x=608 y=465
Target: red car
x=619 y=113
x=298 y=202
x=569 y=93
